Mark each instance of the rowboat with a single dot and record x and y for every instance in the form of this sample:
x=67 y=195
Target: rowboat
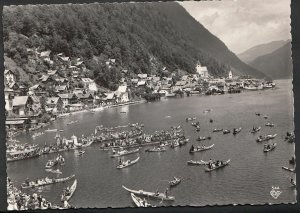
x=127 y=163
x=139 y=202
x=265 y=138
x=217 y=130
x=270 y=125
x=217 y=166
x=45 y=181
x=226 y=131
x=269 y=147
x=125 y=152
x=201 y=162
x=236 y=130
x=57 y=171
x=157 y=195
x=174 y=182
x=203 y=138
x=288 y=169
x=255 y=129
x=293 y=182
x=201 y=148
x=69 y=193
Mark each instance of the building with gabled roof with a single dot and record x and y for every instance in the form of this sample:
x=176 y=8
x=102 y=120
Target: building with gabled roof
x=22 y=105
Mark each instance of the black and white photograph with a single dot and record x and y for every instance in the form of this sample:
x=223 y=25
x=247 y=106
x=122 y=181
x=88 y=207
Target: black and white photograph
x=149 y=104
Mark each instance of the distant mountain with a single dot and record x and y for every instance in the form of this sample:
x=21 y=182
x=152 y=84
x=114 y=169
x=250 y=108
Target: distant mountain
x=277 y=65
x=204 y=41
x=259 y=50
x=142 y=37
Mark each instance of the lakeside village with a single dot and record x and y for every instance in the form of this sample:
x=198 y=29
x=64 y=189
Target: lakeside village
x=66 y=89
x=24 y=113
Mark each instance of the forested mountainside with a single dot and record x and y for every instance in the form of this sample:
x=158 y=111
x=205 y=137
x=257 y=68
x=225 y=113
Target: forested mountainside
x=259 y=50
x=142 y=37
x=278 y=64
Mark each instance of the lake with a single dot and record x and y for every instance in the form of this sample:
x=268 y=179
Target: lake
x=247 y=180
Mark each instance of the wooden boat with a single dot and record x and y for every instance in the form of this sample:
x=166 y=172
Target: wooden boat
x=158 y=195
x=46 y=181
x=67 y=195
x=139 y=202
x=265 y=138
x=226 y=131
x=255 y=129
x=201 y=148
x=127 y=163
x=203 y=138
x=174 y=182
x=156 y=149
x=207 y=169
x=201 y=162
x=236 y=130
x=269 y=147
x=124 y=152
x=288 y=169
x=270 y=125
x=57 y=171
x=217 y=130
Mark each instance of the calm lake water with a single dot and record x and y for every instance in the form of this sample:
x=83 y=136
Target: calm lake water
x=248 y=179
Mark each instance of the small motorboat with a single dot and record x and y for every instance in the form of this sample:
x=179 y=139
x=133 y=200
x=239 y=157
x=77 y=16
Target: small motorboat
x=257 y=113
x=211 y=120
x=174 y=182
x=265 y=138
x=266 y=117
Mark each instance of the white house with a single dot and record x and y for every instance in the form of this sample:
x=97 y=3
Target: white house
x=201 y=70
x=89 y=84
x=122 y=94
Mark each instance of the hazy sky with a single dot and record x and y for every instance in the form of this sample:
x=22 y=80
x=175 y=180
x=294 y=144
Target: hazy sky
x=242 y=24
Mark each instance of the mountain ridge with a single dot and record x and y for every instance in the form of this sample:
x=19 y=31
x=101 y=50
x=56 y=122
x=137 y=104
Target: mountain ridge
x=254 y=52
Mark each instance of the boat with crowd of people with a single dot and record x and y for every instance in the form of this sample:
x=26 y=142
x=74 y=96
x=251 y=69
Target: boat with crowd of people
x=69 y=191
x=139 y=202
x=44 y=181
x=123 y=152
x=213 y=165
x=126 y=163
x=157 y=195
x=200 y=148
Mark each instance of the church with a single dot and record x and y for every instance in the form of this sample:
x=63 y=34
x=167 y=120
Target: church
x=201 y=70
